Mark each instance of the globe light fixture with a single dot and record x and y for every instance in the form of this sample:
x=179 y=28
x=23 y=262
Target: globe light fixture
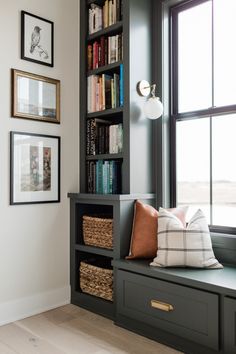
x=153 y=107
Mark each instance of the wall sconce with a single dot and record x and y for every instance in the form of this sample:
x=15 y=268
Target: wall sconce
x=153 y=108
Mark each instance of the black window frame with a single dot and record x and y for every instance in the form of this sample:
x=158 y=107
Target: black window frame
x=210 y=112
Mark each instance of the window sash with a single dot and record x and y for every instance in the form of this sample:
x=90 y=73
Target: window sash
x=198 y=114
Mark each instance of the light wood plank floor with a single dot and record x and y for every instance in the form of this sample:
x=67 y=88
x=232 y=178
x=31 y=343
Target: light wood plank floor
x=72 y=330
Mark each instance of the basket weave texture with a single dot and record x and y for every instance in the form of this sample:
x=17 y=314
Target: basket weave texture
x=96 y=281
x=98 y=231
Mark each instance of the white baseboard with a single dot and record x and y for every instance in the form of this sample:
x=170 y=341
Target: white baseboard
x=25 y=307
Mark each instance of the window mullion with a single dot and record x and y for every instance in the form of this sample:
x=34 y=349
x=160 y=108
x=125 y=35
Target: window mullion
x=213 y=105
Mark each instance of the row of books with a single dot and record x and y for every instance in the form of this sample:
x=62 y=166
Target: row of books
x=103 y=16
x=104 y=177
x=102 y=137
x=107 y=50
x=105 y=91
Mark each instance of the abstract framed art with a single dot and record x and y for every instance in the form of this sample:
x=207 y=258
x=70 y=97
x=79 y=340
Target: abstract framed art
x=37 y=40
x=34 y=168
x=35 y=97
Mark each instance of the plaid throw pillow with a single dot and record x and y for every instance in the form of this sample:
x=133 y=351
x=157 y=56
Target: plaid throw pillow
x=184 y=247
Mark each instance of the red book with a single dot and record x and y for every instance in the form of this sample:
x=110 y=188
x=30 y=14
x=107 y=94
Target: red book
x=102 y=51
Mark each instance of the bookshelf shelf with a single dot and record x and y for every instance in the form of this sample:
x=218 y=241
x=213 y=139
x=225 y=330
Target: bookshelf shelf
x=106 y=112
x=113 y=29
x=98 y=2
x=107 y=68
x=104 y=157
x=94 y=250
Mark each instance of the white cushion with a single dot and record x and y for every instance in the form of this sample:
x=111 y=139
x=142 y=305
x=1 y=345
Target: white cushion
x=184 y=247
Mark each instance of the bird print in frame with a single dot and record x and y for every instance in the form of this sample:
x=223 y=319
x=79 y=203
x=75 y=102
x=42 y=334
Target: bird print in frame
x=37 y=39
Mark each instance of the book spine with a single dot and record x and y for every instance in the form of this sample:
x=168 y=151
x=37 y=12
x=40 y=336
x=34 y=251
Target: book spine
x=107 y=139
x=110 y=13
x=105 y=177
x=92 y=137
x=88 y=136
x=93 y=165
x=89 y=94
x=117 y=10
x=99 y=177
x=102 y=43
x=90 y=57
x=106 y=10
x=120 y=138
x=121 y=85
x=106 y=51
x=111 y=163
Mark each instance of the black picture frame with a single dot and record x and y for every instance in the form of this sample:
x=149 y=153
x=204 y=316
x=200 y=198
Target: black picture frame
x=37 y=39
x=34 y=169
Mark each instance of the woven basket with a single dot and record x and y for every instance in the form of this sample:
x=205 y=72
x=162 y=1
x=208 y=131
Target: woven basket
x=98 y=231
x=96 y=280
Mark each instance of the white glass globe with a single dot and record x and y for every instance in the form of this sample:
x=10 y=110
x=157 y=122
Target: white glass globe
x=153 y=108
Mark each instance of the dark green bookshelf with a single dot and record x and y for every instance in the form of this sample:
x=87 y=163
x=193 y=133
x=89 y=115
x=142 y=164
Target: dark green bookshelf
x=110 y=30
x=95 y=250
x=104 y=157
x=136 y=158
x=98 y=2
x=107 y=112
x=106 y=68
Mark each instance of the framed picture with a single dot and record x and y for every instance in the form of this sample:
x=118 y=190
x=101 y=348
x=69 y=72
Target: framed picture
x=36 y=39
x=34 y=168
x=35 y=97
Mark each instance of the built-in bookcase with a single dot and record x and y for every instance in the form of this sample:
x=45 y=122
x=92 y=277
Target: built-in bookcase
x=102 y=127
x=115 y=140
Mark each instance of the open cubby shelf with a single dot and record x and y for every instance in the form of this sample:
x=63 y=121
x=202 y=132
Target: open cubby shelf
x=95 y=250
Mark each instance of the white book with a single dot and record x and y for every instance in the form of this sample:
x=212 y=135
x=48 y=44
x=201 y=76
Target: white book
x=109 y=50
x=120 y=138
x=89 y=94
x=116 y=47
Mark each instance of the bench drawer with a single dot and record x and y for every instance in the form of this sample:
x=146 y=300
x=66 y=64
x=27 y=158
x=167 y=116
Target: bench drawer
x=182 y=311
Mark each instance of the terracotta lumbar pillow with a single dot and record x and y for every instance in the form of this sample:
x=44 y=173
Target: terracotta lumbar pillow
x=144 y=233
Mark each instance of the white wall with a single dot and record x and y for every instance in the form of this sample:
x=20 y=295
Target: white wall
x=34 y=239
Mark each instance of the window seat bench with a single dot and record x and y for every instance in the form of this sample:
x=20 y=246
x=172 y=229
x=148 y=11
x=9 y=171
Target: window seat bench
x=192 y=310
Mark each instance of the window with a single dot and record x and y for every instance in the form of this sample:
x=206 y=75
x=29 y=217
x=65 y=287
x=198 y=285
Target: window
x=203 y=112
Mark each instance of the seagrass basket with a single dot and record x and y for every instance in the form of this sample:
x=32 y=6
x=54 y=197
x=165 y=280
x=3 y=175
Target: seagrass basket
x=96 y=278
x=98 y=231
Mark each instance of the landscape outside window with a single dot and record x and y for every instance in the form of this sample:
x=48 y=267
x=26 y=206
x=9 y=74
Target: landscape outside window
x=204 y=108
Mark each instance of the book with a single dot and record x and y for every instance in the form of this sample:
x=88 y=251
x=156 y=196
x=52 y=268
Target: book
x=121 y=85
x=96 y=136
x=90 y=57
x=99 y=178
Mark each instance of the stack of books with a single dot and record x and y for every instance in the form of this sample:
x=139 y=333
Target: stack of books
x=102 y=137
x=105 y=91
x=107 y=50
x=107 y=15
x=104 y=177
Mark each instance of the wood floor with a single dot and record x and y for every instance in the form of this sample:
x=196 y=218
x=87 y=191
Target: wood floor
x=71 y=330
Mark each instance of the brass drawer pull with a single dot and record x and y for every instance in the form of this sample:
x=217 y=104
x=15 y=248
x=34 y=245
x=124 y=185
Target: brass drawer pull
x=161 y=306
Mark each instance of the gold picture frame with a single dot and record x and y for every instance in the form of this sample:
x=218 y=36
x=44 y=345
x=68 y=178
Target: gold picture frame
x=35 y=97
